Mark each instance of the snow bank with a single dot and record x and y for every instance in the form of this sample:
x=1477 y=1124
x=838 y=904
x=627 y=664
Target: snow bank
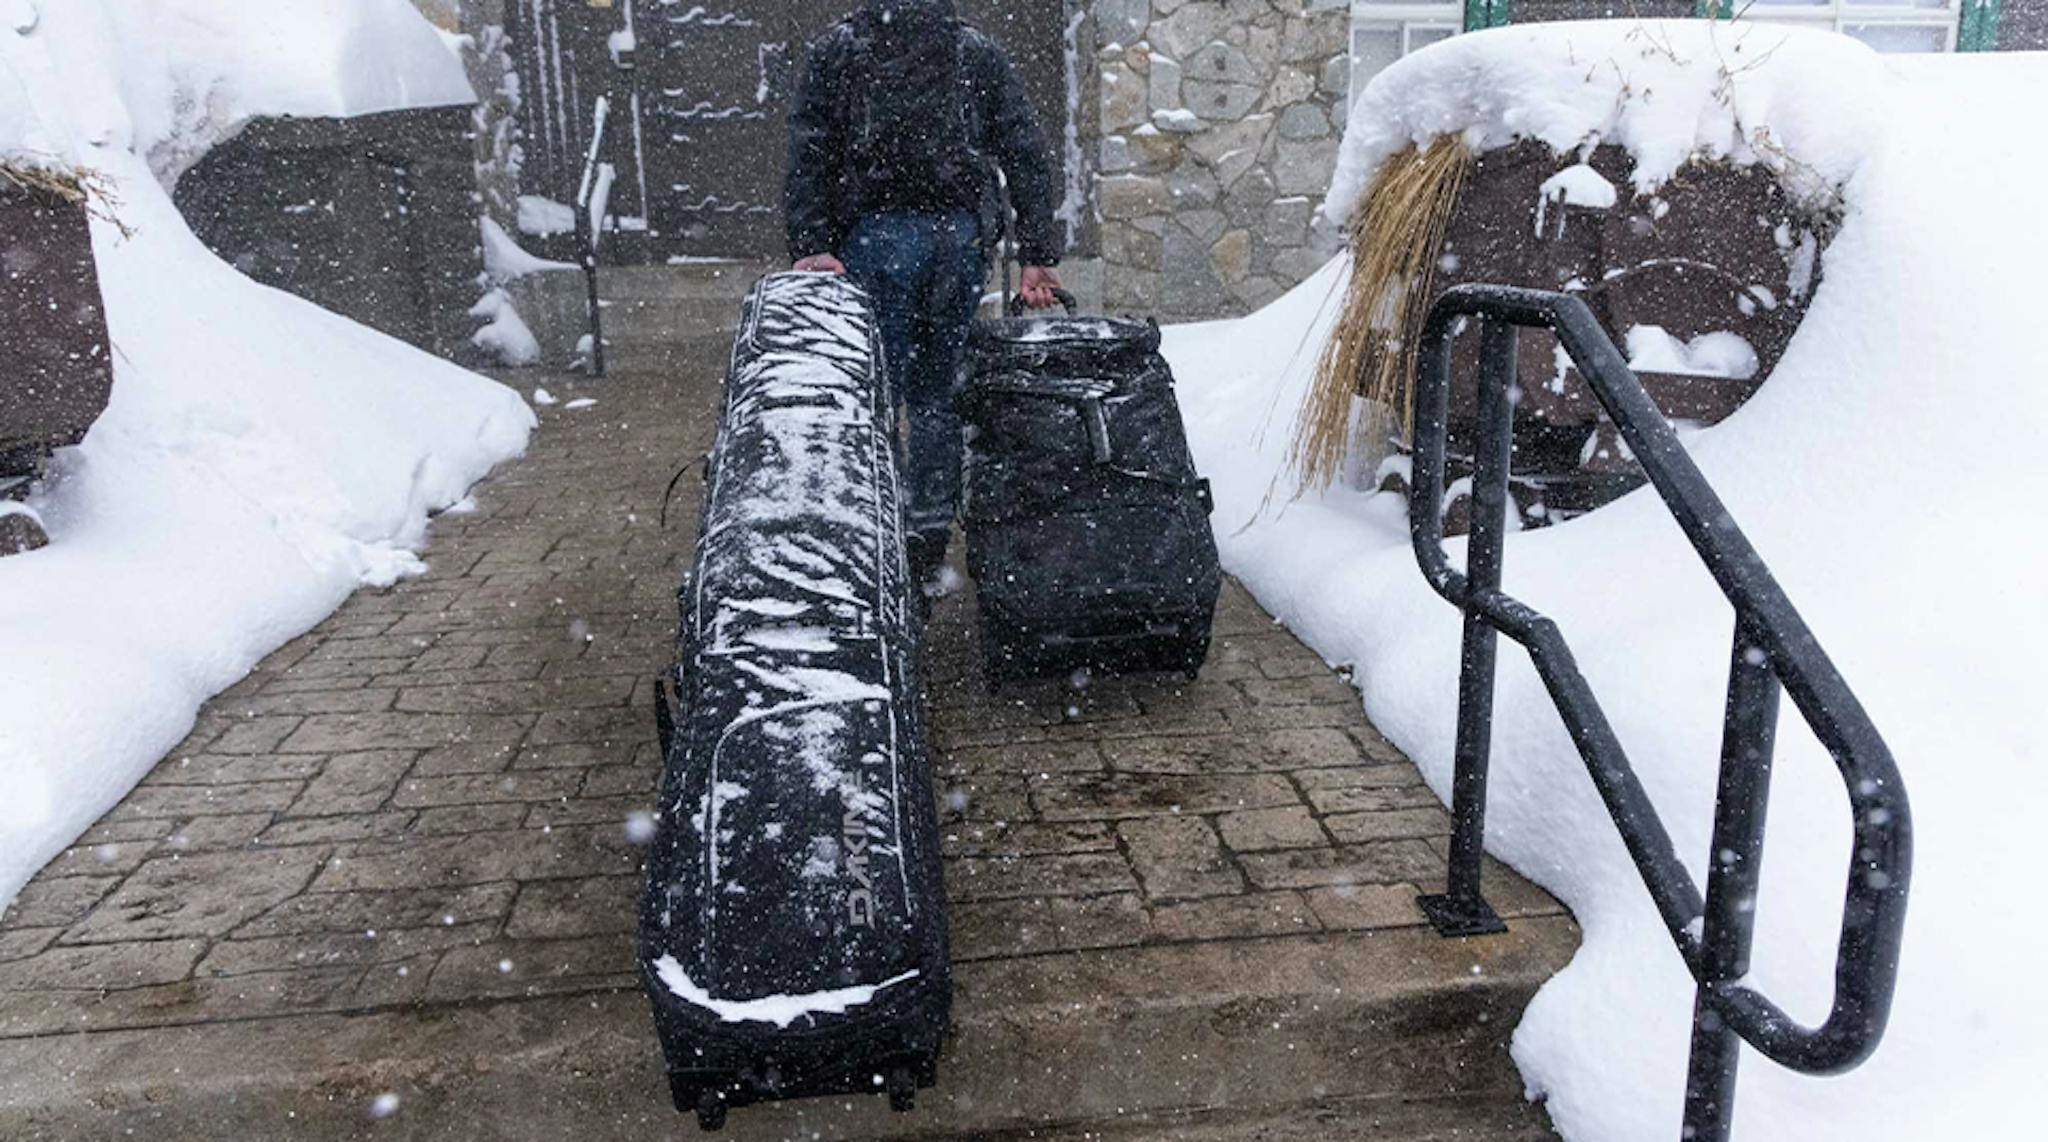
x=261 y=457
x=504 y=334
x=1889 y=472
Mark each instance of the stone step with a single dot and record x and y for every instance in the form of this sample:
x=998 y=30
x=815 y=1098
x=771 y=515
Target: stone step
x=689 y=281
x=1470 y=1119
x=1344 y=1036
x=645 y=308
x=635 y=357
x=659 y=321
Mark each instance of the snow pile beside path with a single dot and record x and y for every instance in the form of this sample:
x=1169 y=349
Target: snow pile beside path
x=505 y=334
x=1668 y=90
x=208 y=66
x=260 y=460
x=1890 y=473
x=506 y=260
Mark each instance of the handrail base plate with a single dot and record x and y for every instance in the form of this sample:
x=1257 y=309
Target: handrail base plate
x=1456 y=918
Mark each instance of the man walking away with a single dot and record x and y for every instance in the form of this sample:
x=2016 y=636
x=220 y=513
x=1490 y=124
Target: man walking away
x=902 y=118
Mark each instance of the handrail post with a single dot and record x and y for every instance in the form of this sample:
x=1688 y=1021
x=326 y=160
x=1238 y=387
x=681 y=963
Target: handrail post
x=586 y=240
x=587 y=232
x=1749 y=731
x=1462 y=910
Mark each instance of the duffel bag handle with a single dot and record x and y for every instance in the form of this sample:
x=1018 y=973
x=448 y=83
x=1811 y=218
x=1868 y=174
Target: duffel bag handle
x=1098 y=430
x=1064 y=297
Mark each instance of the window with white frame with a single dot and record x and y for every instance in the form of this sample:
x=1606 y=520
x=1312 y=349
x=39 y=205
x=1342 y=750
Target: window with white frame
x=1887 y=25
x=1384 y=32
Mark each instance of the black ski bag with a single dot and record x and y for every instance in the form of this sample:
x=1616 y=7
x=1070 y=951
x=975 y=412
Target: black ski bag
x=793 y=932
x=1087 y=526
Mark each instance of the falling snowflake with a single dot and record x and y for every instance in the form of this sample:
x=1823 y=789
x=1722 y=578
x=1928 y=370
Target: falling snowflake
x=640 y=827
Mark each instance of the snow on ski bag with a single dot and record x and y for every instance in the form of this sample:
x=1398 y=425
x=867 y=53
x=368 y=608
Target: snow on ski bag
x=793 y=934
x=1087 y=526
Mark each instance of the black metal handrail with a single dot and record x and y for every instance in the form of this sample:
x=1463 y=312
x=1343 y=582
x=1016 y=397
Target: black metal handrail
x=588 y=234
x=1773 y=649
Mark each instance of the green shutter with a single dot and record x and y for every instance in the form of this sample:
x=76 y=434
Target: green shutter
x=1485 y=14
x=1979 y=29
x=1714 y=9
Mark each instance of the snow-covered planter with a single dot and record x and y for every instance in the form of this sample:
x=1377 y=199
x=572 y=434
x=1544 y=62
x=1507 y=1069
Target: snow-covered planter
x=56 y=368
x=260 y=458
x=1703 y=279
x=1700 y=264
x=372 y=216
x=1889 y=473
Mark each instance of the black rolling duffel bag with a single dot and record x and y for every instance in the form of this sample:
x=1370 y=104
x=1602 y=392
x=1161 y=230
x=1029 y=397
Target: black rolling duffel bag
x=793 y=933
x=1087 y=527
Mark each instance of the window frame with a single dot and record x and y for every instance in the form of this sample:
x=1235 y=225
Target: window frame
x=1407 y=18
x=1839 y=15
x=1458 y=17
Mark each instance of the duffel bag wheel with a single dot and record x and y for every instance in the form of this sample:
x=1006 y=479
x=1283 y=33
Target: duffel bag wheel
x=711 y=1111
x=902 y=1090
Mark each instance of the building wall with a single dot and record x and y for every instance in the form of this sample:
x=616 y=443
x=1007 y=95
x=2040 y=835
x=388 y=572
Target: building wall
x=1218 y=124
x=1545 y=11
x=494 y=122
x=1218 y=131
x=1205 y=130
x=2023 y=26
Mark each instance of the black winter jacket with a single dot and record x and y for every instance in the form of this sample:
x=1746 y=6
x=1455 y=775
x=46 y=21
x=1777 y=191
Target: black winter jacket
x=825 y=191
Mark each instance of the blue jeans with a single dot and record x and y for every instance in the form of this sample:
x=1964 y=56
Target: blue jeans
x=925 y=274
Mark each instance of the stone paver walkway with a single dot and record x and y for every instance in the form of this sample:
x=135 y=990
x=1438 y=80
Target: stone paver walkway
x=420 y=812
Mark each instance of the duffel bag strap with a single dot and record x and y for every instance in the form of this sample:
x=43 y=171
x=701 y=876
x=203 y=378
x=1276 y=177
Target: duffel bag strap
x=1096 y=418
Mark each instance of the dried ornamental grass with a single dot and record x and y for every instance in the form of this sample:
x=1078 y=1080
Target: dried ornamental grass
x=65 y=186
x=45 y=182
x=1396 y=238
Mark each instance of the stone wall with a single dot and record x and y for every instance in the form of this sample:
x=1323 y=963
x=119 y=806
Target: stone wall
x=2023 y=26
x=1219 y=127
x=494 y=122
x=373 y=217
x=56 y=367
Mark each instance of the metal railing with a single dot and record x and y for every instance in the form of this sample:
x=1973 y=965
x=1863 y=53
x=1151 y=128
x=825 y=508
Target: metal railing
x=1773 y=651
x=593 y=194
